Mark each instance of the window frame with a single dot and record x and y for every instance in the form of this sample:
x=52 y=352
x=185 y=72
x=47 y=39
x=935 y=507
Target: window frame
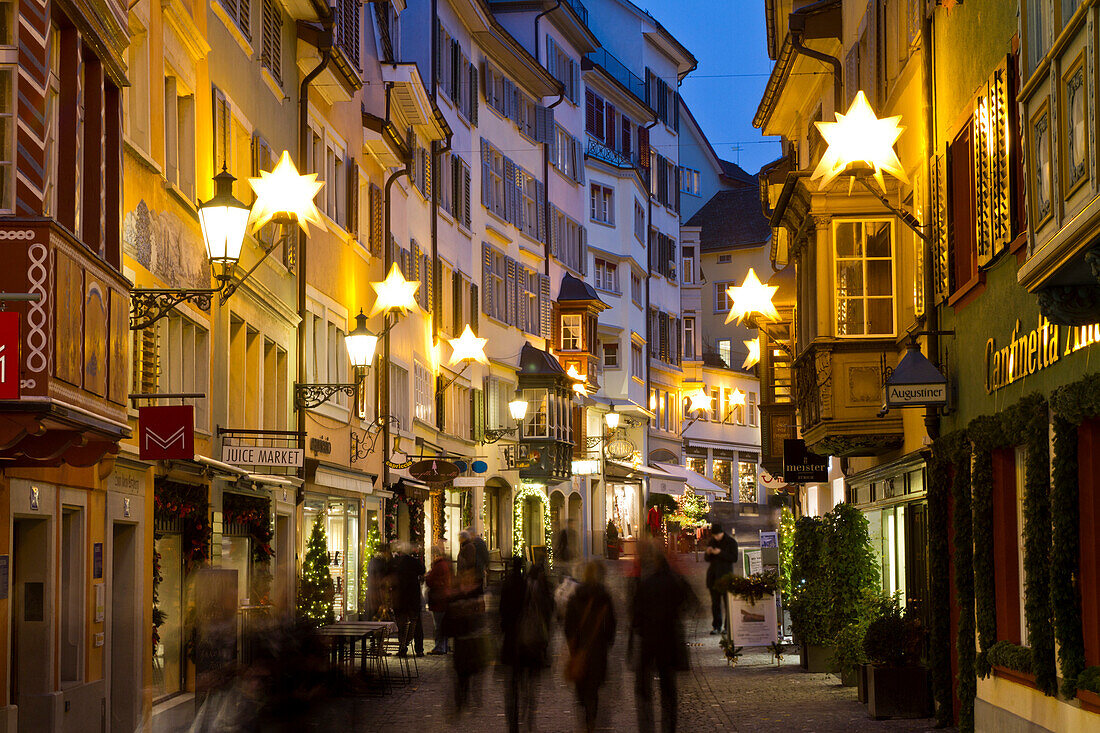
x=863 y=221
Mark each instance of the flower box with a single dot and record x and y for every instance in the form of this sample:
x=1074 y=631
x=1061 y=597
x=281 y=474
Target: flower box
x=1089 y=700
x=818 y=659
x=1020 y=678
x=899 y=692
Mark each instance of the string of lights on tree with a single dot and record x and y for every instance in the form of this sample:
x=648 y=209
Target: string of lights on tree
x=316 y=592
x=525 y=492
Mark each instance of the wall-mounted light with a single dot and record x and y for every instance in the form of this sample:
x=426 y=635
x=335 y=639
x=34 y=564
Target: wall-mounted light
x=753 y=357
x=517 y=408
x=751 y=298
x=361 y=343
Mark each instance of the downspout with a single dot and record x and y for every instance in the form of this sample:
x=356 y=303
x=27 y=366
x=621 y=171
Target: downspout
x=932 y=320
x=437 y=155
x=538 y=56
x=323 y=42
x=649 y=254
x=800 y=47
x=383 y=400
x=546 y=200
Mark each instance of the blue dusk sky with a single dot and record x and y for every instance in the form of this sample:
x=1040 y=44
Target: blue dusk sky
x=728 y=39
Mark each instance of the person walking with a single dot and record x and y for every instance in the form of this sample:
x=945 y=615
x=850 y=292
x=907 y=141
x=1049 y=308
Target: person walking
x=721 y=554
x=377 y=603
x=656 y=613
x=526 y=608
x=589 y=633
x=481 y=553
x=464 y=623
x=440 y=581
x=407 y=572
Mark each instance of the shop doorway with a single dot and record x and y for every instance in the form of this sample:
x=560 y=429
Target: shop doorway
x=557 y=514
x=533 y=533
x=574 y=523
x=284 y=563
x=124 y=624
x=30 y=633
x=496 y=493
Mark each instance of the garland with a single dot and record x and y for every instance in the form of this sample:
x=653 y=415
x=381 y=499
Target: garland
x=1037 y=541
x=1010 y=656
x=809 y=605
x=159 y=616
x=939 y=498
x=751 y=589
x=254 y=512
x=786 y=546
x=416 y=519
x=964 y=581
x=524 y=492
x=184 y=504
x=987 y=434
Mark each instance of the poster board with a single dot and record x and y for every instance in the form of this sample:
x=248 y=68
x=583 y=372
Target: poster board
x=753 y=624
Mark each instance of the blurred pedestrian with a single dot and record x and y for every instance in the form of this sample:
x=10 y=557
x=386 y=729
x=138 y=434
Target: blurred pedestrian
x=407 y=570
x=721 y=554
x=656 y=627
x=563 y=553
x=526 y=609
x=589 y=633
x=467 y=558
x=463 y=623
x=440 y=582
x=376 y=582
x=481 y=553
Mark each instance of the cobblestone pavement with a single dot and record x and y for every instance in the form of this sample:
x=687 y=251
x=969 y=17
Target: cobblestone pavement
x=755 y=695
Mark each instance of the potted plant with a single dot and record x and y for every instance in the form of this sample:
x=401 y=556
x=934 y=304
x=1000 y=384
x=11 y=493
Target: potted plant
x=898 y=685
x=849 y=657
x=614 y=543
x=1088 y=689
x=810 y=613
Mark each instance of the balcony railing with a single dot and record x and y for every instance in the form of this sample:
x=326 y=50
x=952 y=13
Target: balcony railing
x=601 y=152
x=579 y=9
x=618 y=71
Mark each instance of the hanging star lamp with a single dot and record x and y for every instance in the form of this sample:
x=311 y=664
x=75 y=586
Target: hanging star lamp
x=698 y=399
x=752 y=297
x=285 y=194
x=754 y=353
x=861 y=141
x=468 y=347
x=395 y=293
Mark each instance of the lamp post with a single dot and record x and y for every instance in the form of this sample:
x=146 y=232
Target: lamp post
x=282 y=196
x=361 y=344
x=517 y=408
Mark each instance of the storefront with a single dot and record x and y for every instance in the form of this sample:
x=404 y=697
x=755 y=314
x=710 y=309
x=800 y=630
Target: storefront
x=497 y=497
x=339 y=517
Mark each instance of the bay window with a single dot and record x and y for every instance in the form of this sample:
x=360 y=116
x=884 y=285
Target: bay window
x=571 y=332
x=539 y=411
x=864 y=277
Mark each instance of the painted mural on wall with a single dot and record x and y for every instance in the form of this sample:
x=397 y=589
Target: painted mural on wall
x=166 y=245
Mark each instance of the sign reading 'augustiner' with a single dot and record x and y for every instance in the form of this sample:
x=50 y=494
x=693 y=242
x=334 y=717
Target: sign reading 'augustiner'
x=1031 y=351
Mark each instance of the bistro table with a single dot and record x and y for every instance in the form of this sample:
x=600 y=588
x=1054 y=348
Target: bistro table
x=366 y=632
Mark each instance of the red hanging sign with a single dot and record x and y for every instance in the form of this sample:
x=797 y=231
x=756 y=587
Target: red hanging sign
x=166 y=433
x=9 y=355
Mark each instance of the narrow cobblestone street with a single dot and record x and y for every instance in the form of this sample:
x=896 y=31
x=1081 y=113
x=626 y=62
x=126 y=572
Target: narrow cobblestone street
x=754 y=695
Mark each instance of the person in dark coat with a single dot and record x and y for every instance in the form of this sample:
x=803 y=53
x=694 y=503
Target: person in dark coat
x=406 y=572
x=481 y=552
x=721 y=554
x=376 y=580
x=467 y=559
x=439 y=580
x=464 y=622
x=657 y=609
x=526 y=608
x=589 y=633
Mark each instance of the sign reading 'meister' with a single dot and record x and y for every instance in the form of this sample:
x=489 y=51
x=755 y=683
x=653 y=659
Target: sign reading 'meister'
x=256 y=455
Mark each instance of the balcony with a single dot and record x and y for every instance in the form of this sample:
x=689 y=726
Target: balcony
x=838 y=390
x=618 y=71
x=599 y=151
x=74 y=364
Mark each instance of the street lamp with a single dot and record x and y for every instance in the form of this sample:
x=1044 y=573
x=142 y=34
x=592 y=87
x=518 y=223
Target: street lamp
x=517 y=408
x=611 y=417
x=282 y=196
x=361 y=344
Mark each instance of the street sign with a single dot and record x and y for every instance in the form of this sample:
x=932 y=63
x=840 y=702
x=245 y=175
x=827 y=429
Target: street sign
x=166 y=433
x=800 y=466
x=915 y=382
x=433 y=471
x=9 y=355
x=916 y=395
x=257 y=455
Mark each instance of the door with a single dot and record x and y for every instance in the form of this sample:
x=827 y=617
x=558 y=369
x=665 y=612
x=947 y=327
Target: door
x=125 y=630
x=30 y=637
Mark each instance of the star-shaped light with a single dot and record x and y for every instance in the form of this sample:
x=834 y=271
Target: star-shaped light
x=468 y=347
x=754 y=353
x=394 y=293
x=736 y=397
x=699 y=400
x=751 y=297
x=578 y=379
x=284 y=192
x=860 y=137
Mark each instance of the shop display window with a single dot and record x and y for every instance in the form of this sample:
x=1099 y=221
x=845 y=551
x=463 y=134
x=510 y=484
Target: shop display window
x=168 y=656
x=342 y=536
x=746 y=482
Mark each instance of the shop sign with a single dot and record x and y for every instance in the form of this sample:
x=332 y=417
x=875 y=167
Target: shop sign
x=320 y=445
x=915 y=382
x=1029 y=352
x=166 y=433
x=9 y=355
x=586 y=467
x=255 y=455
x=433 y=471
x=800 y=466
x=468 y=482
x=916 y=395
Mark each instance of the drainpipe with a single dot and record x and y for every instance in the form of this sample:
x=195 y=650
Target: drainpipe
x=437 y=155
x=931 y=414
x=648 y=320
x=798 y=26
x=322 y=39
x=383 y=400
x=546 y=200
x=538 y=56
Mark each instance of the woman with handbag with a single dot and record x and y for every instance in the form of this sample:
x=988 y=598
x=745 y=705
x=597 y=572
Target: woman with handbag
x=589 y=633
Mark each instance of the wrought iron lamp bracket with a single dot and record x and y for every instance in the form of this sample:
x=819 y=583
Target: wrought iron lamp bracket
x=308 y=396
x=374 y=431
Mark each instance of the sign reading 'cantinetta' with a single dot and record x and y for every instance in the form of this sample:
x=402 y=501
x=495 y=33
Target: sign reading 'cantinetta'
x=1031 y=351
x=254 y=455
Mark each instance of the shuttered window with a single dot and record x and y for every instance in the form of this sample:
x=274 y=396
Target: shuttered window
x=240 y=12
x=563 y=68
x=347 y=29
x=271 y=49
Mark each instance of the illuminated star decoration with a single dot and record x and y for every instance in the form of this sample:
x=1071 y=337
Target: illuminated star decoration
x=752 y=296
x=737 y=397
x=699 y=399
x=468 y=347
x=578 y=379
x=754 y=353
x=860 y=137
x=394 y=293
x=284 y=191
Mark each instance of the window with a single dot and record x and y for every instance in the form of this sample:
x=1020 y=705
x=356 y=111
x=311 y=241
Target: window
x=173 y=356
x=137 y=94
x=602 y=208
x=715 y=405
x=179 y=138
x=533 y=120
x=452 y=186
x=1037 y=32
x=688 y=267
x=512 y=193
x=689 y=181
x=607 y=275
x=636 y=288
x=662 y=99
x=72 y=594
x=664 y=255
x=238 y=12
x=536 y=422
x=514 y=294
x=725 y=259
x=864 y=277
x=689 y=338
x=271 y=51
x=751 y=403
x=724 y=352
x=611 y=354
x=457 y=76
x=571 y=332
x=347 y=29
x=563 y=68
x=594 y=114
x=399 y=396
x=423 y=392
x=568 y=241
x=567 y=155
x=722 y=301
x=639 y=221
x=636 y=361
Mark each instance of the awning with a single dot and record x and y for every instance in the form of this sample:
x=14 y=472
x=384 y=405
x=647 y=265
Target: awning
x=643 y=470
x=699 y=483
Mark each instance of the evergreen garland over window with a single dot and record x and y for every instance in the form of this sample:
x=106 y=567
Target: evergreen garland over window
x=939 y=499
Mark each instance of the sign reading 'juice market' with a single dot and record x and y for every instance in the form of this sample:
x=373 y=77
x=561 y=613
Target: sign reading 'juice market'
x=1031 y=351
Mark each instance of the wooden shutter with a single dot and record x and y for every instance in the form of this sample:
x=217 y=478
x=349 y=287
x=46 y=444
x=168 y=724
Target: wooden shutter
x=509 y=212
x=551 y=57
x=1000 y=159
x=522 y=301
x=473 y=308
x=643 y=147
x=473 y=94
x=271 y=51
x=487 y=279
x=375 y=195
x=609 y=126
x=544 y=307
x=578 y=160
x=244 y=18
x=540 y=204
x=352 y=190
x=436 y=300
x=510 y=292
x=465 y=193
x=649 y=88
x=676 y=187
x=486 y=180
x=940 y=258
x=456 y=303
x=583 y=254
x=962 y=213
x=544 y=125
x=477 y=415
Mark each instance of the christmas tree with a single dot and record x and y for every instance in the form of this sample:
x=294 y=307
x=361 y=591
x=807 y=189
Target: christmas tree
x=315 y=589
